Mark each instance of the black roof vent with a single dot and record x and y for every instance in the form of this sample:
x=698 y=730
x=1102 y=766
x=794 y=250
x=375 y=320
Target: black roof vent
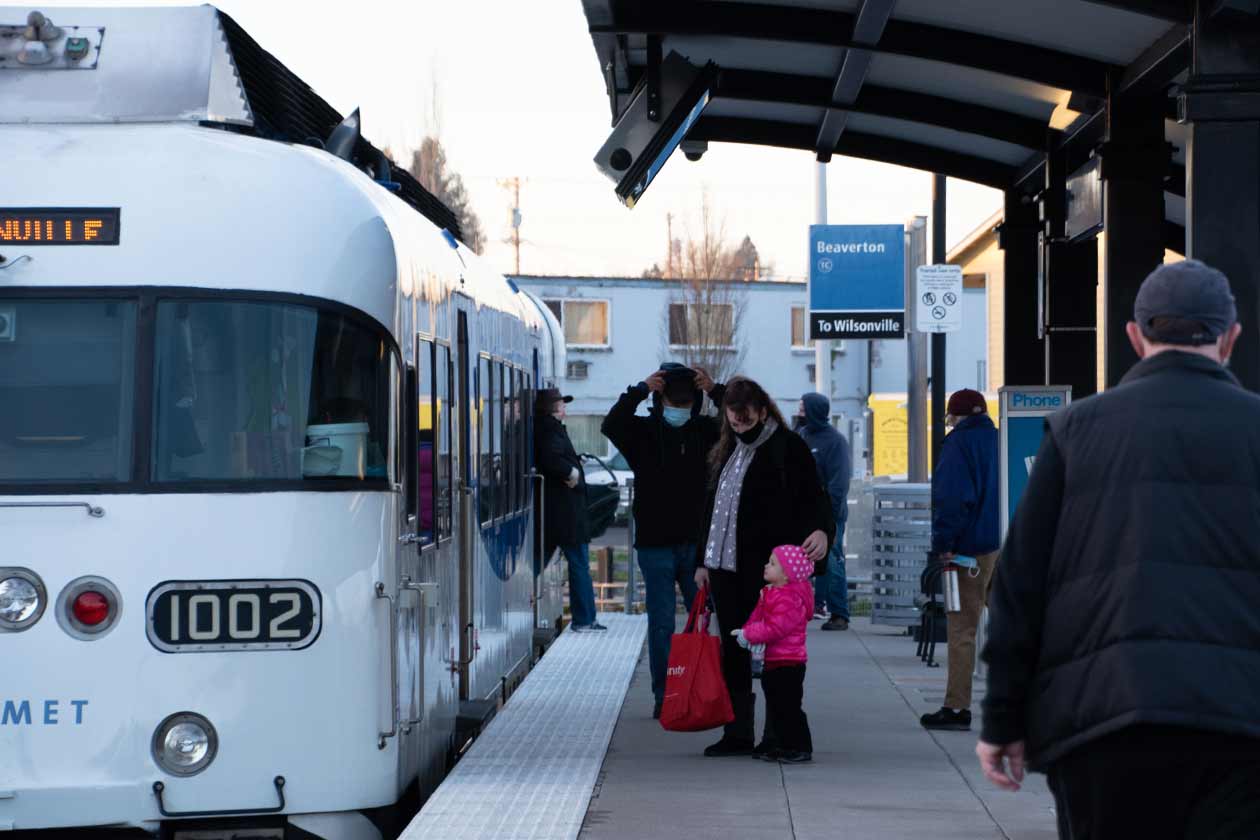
x=287 y=109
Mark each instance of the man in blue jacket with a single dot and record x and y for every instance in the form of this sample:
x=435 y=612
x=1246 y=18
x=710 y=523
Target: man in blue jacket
x=835 y=466
x=965 y=527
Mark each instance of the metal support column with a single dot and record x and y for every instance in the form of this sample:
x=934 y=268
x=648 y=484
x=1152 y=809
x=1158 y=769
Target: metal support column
x=822 y=348
x=1023 y=356
x=1134 y=161
x=1068 y=284
x=1221 y=101
x=938 y=339
x=916 y=358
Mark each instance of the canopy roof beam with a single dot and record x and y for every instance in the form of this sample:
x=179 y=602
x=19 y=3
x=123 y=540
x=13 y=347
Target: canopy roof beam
x=792 y=24
x=815 y=92
x=868 y=26
x=1181 y=11
x=854 y=144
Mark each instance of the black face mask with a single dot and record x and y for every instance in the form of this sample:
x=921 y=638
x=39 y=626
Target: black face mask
x=750 y=437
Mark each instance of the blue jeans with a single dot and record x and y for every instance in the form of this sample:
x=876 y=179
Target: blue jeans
x=662 y=566
x=581 y=590
x=832 y=589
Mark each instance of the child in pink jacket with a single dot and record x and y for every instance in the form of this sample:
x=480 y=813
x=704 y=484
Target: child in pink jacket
x=778 y=622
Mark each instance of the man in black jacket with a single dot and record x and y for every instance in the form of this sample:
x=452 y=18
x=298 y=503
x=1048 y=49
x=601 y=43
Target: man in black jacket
x=667 y=451
x=564 y=508
x=1124 y=634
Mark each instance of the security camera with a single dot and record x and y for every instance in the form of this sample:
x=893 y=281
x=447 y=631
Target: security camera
x=694 y=149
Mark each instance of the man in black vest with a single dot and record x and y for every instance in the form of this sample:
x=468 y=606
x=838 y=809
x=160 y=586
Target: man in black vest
x=1124 y=631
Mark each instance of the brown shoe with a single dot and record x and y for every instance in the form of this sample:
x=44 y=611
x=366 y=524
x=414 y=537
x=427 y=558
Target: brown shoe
x=836 y=623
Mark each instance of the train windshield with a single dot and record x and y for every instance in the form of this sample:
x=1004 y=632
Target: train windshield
x=268 y=391
x=212 y=391
x=67 y=385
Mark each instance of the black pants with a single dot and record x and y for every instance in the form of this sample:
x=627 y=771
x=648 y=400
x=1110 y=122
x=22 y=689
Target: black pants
x=784 y=687
x=1159 y=783
x=735 y=596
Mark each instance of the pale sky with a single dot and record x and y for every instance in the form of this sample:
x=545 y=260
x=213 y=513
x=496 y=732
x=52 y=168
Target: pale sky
x=521 y=94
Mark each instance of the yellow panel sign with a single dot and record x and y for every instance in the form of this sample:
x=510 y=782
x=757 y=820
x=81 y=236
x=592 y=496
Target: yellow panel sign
x=891 y=440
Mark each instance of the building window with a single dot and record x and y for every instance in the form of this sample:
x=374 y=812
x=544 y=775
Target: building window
x=577 y=370
x=800 y=329
x=585 y=322
x=702 y=325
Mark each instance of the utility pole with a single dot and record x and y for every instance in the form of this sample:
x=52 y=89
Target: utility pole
x=513 y=185
x=822 y=347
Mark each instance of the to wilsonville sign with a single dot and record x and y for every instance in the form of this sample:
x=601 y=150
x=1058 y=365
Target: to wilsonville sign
x=857 y=281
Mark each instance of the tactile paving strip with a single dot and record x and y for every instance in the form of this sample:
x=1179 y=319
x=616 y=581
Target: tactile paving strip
x=530 y=775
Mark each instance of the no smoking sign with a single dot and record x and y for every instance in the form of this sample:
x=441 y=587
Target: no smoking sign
x=938 y=294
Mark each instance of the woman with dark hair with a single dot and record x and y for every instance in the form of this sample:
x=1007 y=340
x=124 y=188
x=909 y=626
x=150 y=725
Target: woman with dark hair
x=763 y=492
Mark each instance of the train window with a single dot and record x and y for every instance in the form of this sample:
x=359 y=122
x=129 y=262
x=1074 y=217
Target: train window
x=500 y=440
x=485 y=423
x=518 y=431
x=67 y=384
x=443 y=388
x=511 y=440
x=527 y=436
x=254 y=391
x=426 y=485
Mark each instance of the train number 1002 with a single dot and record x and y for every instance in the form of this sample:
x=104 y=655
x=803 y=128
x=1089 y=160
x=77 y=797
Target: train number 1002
x=193 y=616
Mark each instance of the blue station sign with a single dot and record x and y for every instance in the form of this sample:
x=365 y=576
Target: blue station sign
x=857 y=281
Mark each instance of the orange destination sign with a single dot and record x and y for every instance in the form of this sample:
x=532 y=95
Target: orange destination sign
x=59 y=225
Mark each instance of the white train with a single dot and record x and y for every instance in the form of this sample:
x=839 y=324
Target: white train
x=266 y=505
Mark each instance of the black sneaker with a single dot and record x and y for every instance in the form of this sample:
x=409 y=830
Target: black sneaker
x=656 y=709
x=596 y=626
x=820 y=612
x=593 y=627
x=948 y=719
x=799 y=757
x=836 y=623
x=728 y=747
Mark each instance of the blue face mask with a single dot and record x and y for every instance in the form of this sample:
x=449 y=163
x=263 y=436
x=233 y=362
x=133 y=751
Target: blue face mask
x=676 y=416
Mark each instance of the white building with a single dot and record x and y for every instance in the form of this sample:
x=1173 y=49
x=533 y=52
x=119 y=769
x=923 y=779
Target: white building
x=618 y=331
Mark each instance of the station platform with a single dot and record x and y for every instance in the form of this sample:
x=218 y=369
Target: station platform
x=876 y=772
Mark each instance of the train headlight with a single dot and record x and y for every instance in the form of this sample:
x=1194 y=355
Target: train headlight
x=185 y=744
x=22 y=599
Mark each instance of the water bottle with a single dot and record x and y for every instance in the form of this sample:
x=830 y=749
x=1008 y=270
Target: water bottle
x=949 y=588
x=758 y=653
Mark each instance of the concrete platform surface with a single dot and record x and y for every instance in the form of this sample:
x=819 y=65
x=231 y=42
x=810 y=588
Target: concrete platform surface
x=876 y=772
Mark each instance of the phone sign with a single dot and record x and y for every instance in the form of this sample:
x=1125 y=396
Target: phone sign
x=59 y=225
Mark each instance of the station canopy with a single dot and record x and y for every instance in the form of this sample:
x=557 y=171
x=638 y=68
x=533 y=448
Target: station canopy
x=972 y=89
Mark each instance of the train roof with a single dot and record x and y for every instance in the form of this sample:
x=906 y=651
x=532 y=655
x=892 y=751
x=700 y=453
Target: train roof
x=190 y=64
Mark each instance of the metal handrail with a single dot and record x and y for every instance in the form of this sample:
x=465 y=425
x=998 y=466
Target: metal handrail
x=630 y=558
x=93 y=511
x=382 y=738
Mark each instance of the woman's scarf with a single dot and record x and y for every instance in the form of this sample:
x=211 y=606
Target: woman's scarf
x=719 y=552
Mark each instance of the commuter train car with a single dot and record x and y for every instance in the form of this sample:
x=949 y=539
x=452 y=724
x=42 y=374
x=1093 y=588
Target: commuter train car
x=265 y=446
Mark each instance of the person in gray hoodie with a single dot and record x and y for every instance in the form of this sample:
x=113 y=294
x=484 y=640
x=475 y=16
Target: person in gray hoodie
x=835 y=467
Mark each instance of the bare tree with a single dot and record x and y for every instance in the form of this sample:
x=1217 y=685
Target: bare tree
x=429 y=166
x=704 y=313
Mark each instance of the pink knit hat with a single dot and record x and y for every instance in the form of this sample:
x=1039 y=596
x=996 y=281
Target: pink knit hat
x=794 y=562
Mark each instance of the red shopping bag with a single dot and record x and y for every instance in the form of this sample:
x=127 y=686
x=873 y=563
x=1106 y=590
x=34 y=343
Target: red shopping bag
x=695 y=693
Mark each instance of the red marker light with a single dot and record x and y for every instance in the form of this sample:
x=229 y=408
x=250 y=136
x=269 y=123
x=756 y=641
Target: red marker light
x=90 y=608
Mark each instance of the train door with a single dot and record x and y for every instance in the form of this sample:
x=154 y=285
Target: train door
x=468 y=525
